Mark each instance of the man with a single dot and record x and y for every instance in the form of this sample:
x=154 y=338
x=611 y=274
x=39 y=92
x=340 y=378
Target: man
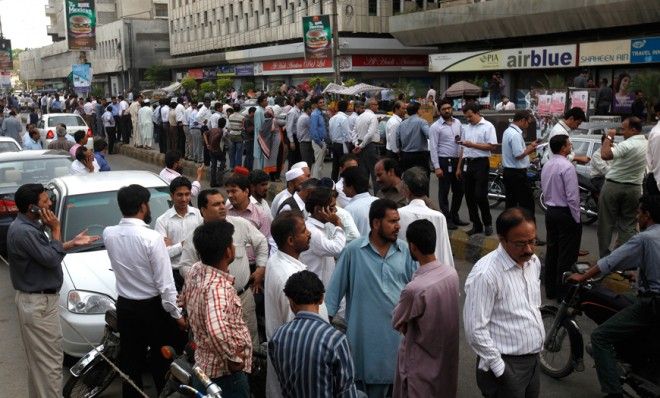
x=604 y=98
x=388 y=176
x=224 y=346
x=109 y=128
x=431 y=92
x=501 y=315
x=355 y=110
x=12 y=127
x=298 y=174
x=398 y=113
x=297 y=201
x=80 y=138
x=339 y=136
x=309 y=342
x=124 y=120
x=292 y=238
x=259 y=182
x=259 y=119
x=35 y=268
x=642 y=251
x=318 y=134
x=173 y=169
x=638 y=107
x=496 y=87
x=412 y=139
x=177 y=223
x=164 y=130
x=180 y=117
x=61 y=143
x=187 y=121
x=291 y=132
x=356 y=187
x=370 y=297
x=580 y=81
x=415 y=184
x=515 y=159
x=100 y=152
x=302 y=132
x=365 y=136
x=562 y=217
x=653 y=156
x=444 y=135
x=145 y=125
x=573 y=118
x=33 y=142
x=505 y=105
x=477 y=142
x=211 y=205
x=84 y=162
x=236 y=136
x=327 y=234
x=248 y=128
x=623 y=184
x=427 y=364
x=238 y=193
x=172 y=133
x=348 y=160
x=133 y=110
x=147 y=313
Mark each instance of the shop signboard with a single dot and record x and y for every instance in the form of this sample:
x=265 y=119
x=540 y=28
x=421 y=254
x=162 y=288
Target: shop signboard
x=613 y=52
x=317 y=37
x=5 y=55
x=5 y=79
x=244 y=70
x=645 y=50
x=293 y=66
x=515 y=58
x=80 y=24
x=82 y=76
x=388 y=62
x=196 y=73
x=210 y=73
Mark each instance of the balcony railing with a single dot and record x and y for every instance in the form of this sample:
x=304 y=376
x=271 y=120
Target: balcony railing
x=409 y=6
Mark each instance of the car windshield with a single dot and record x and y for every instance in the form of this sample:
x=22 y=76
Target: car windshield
x=95 y=211
x=8 y=147
x=68 y=120
x=40 y=171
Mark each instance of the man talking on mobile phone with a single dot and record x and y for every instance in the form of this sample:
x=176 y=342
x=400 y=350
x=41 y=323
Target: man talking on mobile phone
x=36 y=274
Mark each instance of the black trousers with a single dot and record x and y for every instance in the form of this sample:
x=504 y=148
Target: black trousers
x=415 y=159
x=307 y=153
x=475 y=179
x=162 y=137
x=144 y=324
x=293 y=156
x=126 y=128
x=521 y=378
x=447 y=182
x=337 y=153
x=563 y=235
x=518 y=189
x=367 y=159
x=651 y=185
x=111 y=132
x=181 y=138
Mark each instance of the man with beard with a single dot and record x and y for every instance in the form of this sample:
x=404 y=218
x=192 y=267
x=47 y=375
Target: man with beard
x=147 y=313
x=370 y=273
x=173 y=169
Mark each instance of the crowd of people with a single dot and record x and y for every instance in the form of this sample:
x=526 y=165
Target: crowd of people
x=366 y=249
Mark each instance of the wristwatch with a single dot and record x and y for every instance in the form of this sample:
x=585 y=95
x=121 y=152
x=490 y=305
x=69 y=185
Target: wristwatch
x=610 y=138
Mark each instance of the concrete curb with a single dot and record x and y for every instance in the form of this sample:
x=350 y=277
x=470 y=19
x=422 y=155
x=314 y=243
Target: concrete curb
x=154 y=157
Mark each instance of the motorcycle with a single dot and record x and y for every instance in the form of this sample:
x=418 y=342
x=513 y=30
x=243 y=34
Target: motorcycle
x=496 y=190
x=588 y=200
x=185 y=378
x=92 y=374
x=563 y=348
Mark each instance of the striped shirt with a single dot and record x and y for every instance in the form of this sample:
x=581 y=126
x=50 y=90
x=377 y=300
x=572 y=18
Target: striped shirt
x=216 y=320
x=501 y=313
x=312 y=359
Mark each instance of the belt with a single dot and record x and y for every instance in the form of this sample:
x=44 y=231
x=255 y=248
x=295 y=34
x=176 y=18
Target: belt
x=520 y=356
x=475 y=159
x=243 y=289
x=623 y=183
x=515 y=169
x=45 y=291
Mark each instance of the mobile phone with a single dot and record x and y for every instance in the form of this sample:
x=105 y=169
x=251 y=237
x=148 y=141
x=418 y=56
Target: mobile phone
x=35 y=209
x=457 y=138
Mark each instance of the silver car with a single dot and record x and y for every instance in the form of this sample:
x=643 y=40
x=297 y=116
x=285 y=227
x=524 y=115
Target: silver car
x=90 y=202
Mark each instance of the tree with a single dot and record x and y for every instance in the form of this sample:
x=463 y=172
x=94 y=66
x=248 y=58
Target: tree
x=157 y=73
x=206 y=88
x=350 y=82
x=189 y=83
x=318 y=81
x=223 y=85
x=248 y=86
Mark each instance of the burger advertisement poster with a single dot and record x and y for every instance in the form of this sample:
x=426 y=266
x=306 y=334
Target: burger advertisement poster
x=317 y=36
x=81 y=24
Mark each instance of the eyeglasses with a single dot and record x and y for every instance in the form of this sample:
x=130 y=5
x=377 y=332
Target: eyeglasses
x=446 y=108
x=523 y=243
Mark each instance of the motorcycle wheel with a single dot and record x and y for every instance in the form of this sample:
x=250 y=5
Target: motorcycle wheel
x=91 y=383
x=588 y=203
x=495 y=191
x=542 y=204
x=557 y=360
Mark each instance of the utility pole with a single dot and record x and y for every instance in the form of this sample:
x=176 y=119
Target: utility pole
x=335 y=44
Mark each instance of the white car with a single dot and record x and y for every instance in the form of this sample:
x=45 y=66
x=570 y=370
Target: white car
x=8 y=144
x=73 y=123
x=88 y=290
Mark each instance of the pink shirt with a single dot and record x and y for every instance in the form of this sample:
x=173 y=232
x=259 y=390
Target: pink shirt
x=73 y=149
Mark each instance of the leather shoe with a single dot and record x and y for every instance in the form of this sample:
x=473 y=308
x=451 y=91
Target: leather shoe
x=451 y=226
x=460 y=223
x=489 y=231
x=474 y=231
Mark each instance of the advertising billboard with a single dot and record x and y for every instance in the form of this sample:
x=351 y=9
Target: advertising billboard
x=80 y=24
x=317 y=37
x=5 y=55
x=507 y=59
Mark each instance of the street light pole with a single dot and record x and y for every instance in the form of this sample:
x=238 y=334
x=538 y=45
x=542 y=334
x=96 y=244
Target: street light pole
x=335 y=44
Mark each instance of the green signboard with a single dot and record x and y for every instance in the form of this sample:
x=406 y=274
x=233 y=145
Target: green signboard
x=80 y=24
x=317 y=36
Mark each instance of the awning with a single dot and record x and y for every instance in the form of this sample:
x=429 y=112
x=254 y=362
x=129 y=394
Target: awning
x=357 y=89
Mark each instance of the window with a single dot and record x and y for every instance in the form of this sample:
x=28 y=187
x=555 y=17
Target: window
x=160 y=10
x=206 y=18
x=279 y=16
x=373 y=7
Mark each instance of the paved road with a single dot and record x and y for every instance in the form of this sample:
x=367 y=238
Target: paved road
x=12 y=360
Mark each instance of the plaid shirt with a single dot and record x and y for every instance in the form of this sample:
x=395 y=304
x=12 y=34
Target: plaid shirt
x=216 y=318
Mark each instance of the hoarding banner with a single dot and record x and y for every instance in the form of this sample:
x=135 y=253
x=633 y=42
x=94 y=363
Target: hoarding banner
x=196 y=73
x=645 y=50
x=514 y=58
x=579 y=99
x=244 y=70
x=389 y=62
x=317 y=37
x=558 y=104
x=80 y=24
x=82 y=76
x=614 y=52
x=5 y=55
x=5 y=79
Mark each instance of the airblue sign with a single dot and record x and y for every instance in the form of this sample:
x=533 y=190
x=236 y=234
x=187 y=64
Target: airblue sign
x=645 y=50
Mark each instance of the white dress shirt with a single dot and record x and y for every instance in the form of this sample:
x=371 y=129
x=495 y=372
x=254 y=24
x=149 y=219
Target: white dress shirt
x=277 y=200
x=140 y=262
x=480 y=133
x=168 y=175
x=501 y=312
x=509 y=106
x=123 y=107
x=299 y=201
x=359 y=210
x=77 y=168
x=338 y=126
x=179 y=113
x=214 y=120
x=171 y=225
x=350 y=229
x=187 y=115
x=342 y=199
x=88 y=108
x=366 y=129
x=417 y=210
x=246 y=235
x=653 y=153
x=390 y=133
x=264 y=206
x=352 y=118
x=326 y=243
x=165 y=113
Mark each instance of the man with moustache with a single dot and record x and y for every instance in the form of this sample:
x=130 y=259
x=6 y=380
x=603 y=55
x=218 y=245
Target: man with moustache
x=370 y=274
x=501 y=314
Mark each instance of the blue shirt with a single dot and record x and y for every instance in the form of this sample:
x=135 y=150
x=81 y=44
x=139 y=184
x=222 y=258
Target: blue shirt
x=372 y=285
x=312 y=359
x=31 y=144
x=317 y=130
x=100 y=159
x=413 y=134
x=115 y=109
x=513 y=144
x=641 y=251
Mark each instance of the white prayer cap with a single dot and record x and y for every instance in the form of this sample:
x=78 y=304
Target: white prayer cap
x=300 y=165
x=293 y=174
